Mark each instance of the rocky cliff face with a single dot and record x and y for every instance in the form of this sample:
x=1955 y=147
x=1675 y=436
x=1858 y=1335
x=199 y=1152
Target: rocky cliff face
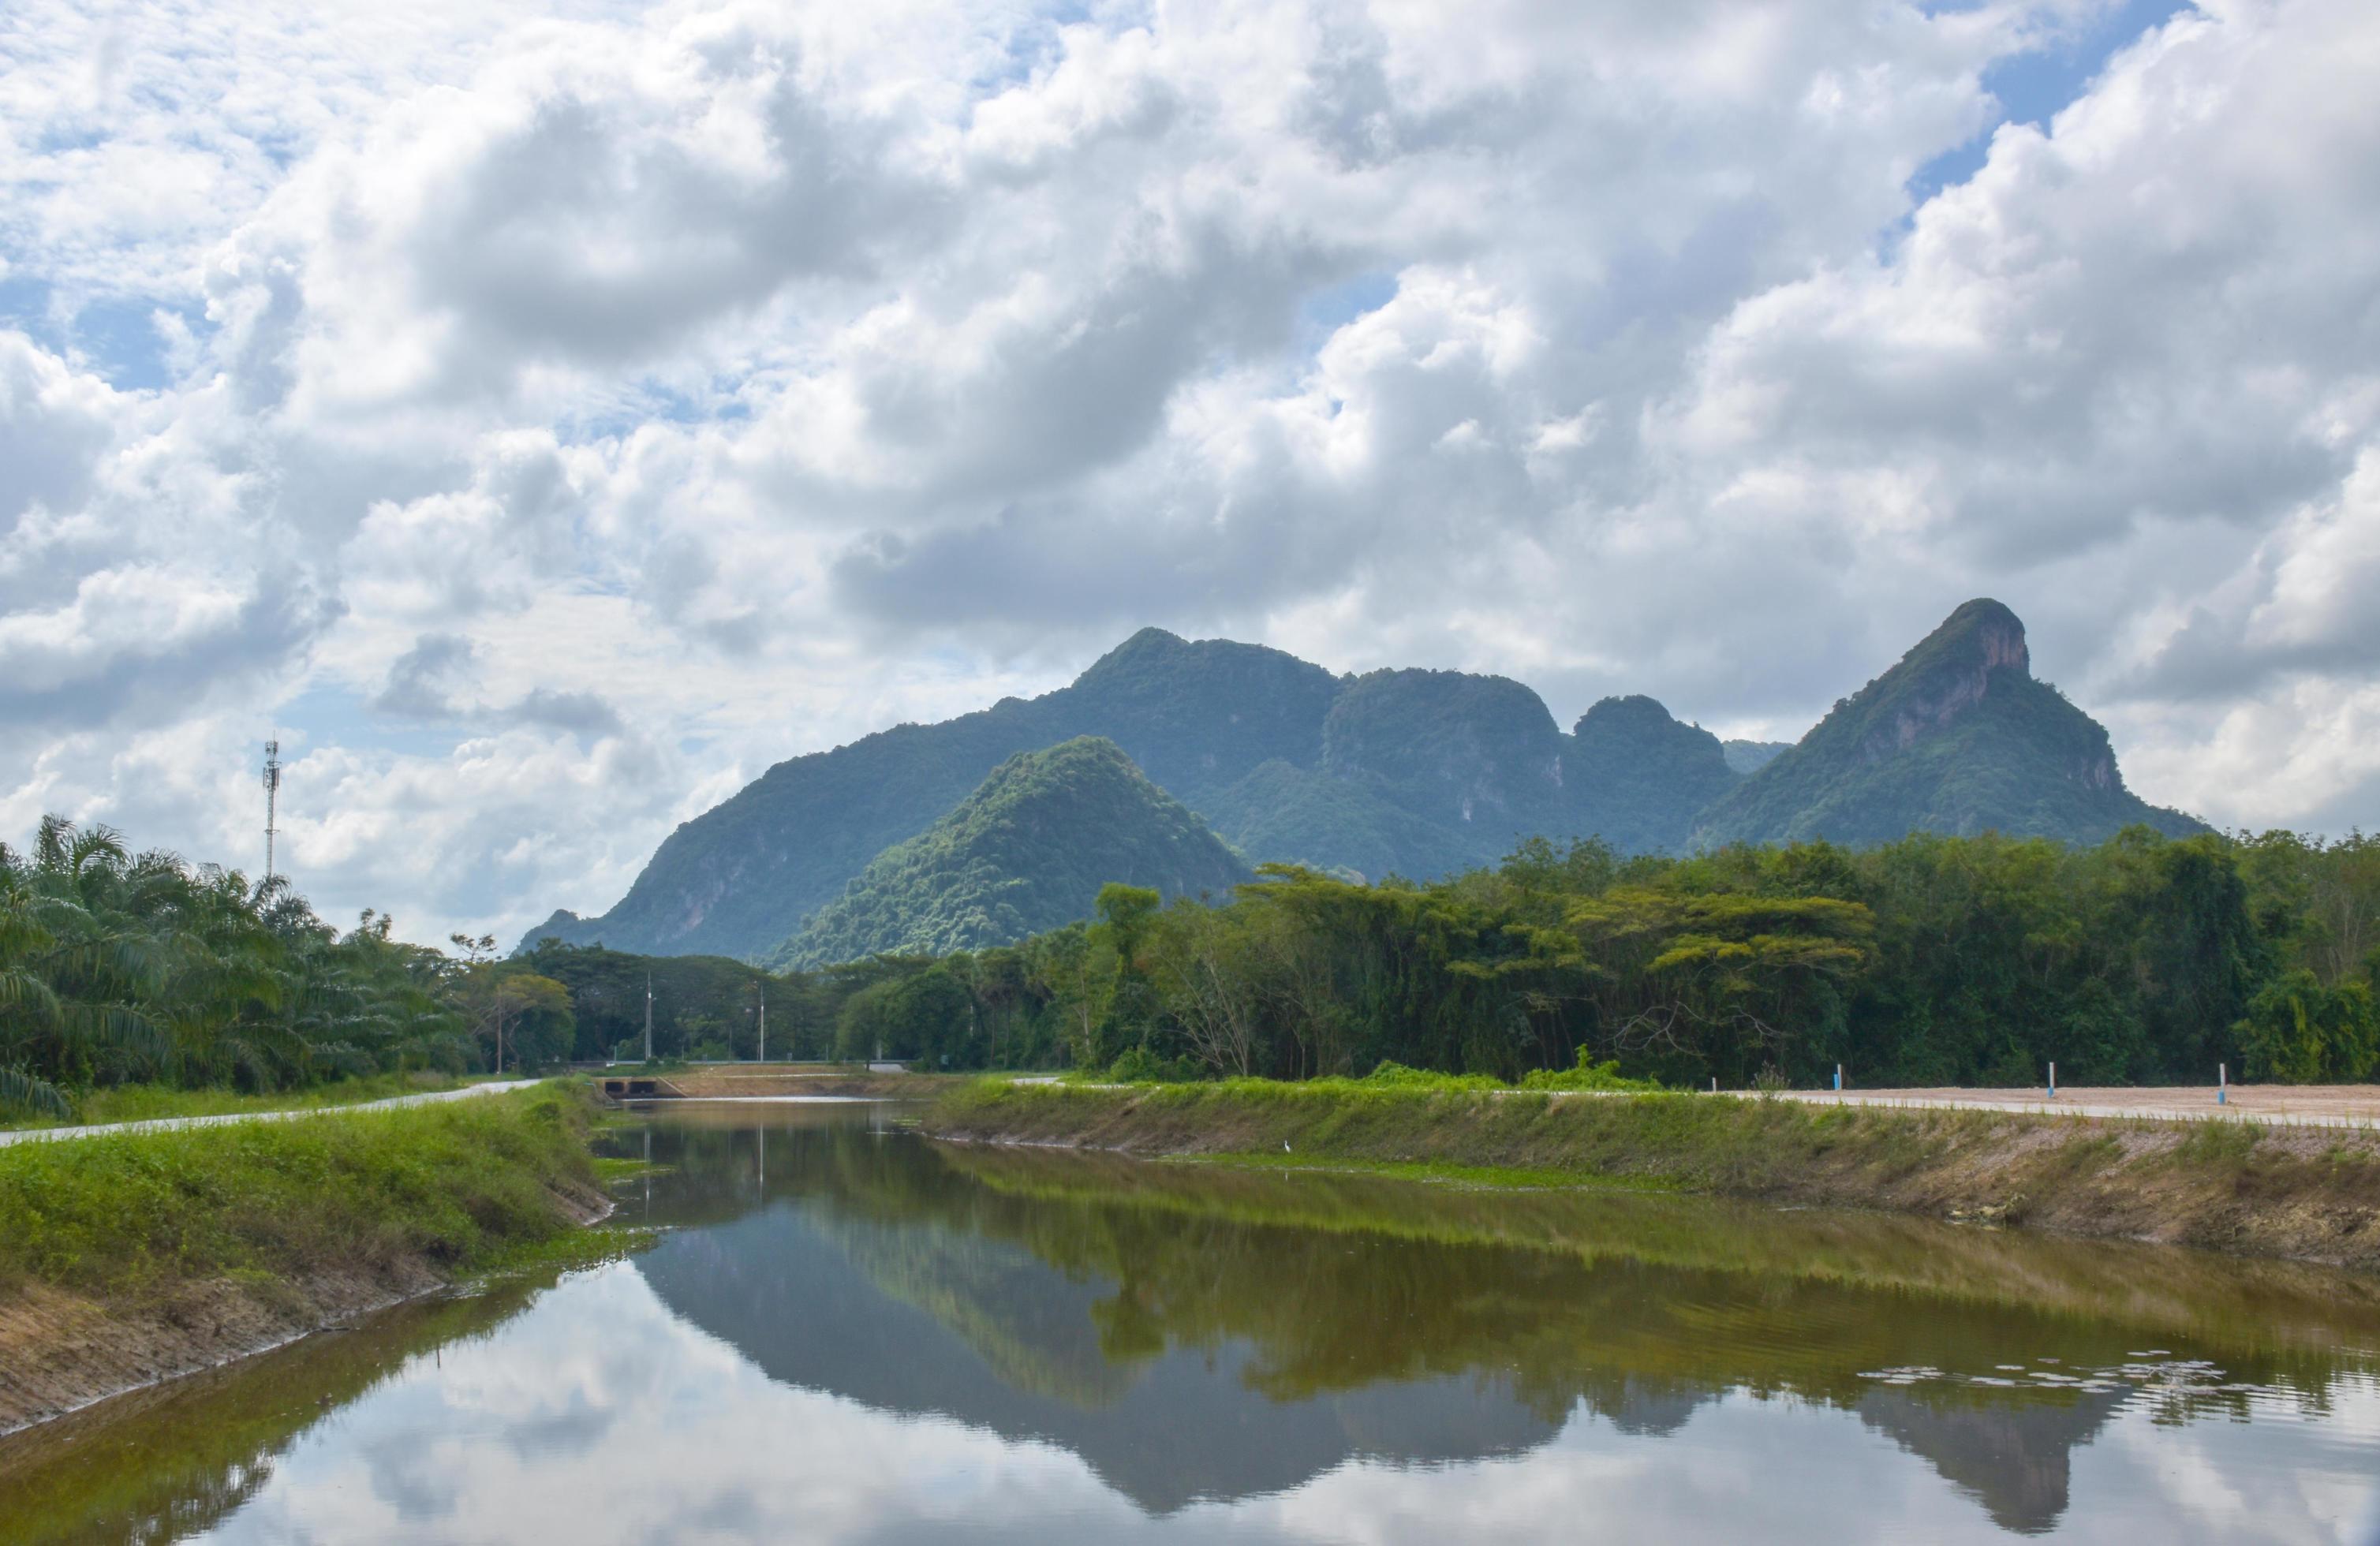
x=1978 y=641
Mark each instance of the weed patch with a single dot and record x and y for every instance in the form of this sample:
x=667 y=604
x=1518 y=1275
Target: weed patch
x=135 y=1214
x=2230 y=1143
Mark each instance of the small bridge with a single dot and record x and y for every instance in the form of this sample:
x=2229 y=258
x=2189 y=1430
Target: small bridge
x=640 y=1087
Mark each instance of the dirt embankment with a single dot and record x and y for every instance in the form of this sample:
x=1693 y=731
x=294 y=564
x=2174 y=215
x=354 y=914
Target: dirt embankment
x=62 y=1350
x=2310 y=1194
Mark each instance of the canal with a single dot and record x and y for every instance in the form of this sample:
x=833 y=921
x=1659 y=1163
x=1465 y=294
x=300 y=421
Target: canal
x=843 y=1331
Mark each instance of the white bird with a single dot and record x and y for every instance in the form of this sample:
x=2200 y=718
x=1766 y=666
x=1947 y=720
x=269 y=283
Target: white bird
x=1284 y=1145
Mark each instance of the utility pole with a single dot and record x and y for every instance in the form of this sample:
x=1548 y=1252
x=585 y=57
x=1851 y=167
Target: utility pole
x=272 y=799
x=764 y=1019
x=649 y=1017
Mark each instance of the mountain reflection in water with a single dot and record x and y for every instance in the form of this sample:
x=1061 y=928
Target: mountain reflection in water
x=847 y=1329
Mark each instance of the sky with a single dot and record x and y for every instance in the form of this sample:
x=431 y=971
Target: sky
x=545 y=418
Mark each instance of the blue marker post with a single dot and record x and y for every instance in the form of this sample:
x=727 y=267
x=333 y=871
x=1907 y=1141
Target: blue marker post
x=2223 y=1084
x=1838 y=1078
x=2053 y=1081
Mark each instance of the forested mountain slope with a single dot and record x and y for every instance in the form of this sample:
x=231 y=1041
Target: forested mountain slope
x=1026 y=851
x=741 y=877
x=1637 y=778
x=1957 y=737
x=1751 y=757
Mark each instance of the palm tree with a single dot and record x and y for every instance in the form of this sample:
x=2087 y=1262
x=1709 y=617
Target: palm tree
x=114 y=967
x=71 y=970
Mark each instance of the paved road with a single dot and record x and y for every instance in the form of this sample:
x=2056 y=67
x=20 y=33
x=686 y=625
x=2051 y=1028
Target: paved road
x=170 y=1124
x=2042 y=1106
x=2133 y=1106
x=2256 y=1103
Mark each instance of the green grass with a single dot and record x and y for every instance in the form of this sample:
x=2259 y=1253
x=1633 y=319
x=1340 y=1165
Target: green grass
x=611 y=1171
x=143 y=1103
x=1388 y=1078
x=455 y=1185
x=1699 y=1141
x=1498 y=1177
x=573 y=1250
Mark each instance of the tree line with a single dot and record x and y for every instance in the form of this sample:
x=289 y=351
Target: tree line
x=1934 y=959
x=119 y=967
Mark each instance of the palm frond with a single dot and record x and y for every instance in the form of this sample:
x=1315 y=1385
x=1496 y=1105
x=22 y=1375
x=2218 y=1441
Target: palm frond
x=21 y=1090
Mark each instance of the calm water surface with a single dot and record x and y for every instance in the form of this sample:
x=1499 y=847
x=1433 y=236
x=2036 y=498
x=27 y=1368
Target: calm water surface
x=847 y=1332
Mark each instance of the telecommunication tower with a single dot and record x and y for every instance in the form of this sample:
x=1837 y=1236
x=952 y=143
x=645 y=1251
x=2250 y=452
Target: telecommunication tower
x=272 y=799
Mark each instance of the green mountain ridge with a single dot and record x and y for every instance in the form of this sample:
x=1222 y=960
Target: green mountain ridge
x=1417 y=773
x=1026 y=851
x=1957 y=737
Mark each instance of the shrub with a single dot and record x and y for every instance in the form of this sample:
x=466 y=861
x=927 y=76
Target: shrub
x=1389 y=1075
x=1140 y=1065
x=1589 y=1075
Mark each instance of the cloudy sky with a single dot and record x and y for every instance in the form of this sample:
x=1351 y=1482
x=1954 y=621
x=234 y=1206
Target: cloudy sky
x=547 y=417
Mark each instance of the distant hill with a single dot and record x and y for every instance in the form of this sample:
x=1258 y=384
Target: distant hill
x=1638 y=778
x=1027 y=851
x=1419 y=773
x=1285 y=814
x=739 y=878
x=1410 y=772
x=1751 y=757
x=1957 y=737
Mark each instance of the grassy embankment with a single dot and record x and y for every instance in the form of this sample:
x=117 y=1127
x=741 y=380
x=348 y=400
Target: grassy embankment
x=126 y=1258
x=2311 y=1194
x=145 y=1103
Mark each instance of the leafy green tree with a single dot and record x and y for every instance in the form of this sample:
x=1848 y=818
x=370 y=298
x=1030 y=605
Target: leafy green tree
x=1206 y=972
x=1723 y=982
x=2300 y=1031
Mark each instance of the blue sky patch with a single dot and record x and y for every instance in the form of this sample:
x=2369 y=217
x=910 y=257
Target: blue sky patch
x=2034 y=85
x=115 y=336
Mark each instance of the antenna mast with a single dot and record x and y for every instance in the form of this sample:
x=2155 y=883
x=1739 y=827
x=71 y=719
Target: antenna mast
x=272 y=799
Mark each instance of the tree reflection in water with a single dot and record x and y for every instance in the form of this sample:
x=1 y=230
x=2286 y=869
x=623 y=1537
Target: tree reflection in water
x=1205 y=1338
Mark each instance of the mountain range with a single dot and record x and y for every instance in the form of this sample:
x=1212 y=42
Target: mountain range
x=1407 y=771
